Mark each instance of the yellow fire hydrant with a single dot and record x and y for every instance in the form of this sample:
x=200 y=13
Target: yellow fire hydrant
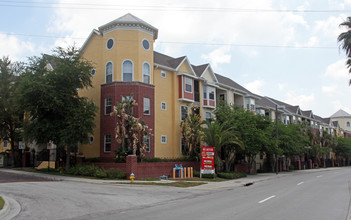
x=132 y=177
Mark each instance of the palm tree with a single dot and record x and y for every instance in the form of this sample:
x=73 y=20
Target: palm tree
x=216 y=135
x=345 y=40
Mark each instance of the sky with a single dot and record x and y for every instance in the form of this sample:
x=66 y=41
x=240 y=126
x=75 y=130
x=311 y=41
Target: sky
x=286 y=50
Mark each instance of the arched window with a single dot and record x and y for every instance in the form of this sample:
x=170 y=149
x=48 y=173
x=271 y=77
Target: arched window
x=146 y=73
x=108 y=72
x=127 y=69
x=348 y=124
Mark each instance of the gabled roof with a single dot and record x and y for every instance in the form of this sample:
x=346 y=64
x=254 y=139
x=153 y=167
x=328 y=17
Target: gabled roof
x=308 y=113
x=228 y=82
x=131 y=21
x=265 y=103
x=51 y=60
x=199 y=70
x=341 y=114
x=167 y=61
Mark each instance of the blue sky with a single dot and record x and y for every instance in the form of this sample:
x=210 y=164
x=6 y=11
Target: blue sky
x=286 y=50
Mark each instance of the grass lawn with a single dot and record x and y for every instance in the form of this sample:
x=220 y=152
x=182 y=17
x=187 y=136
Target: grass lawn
x=2 y=203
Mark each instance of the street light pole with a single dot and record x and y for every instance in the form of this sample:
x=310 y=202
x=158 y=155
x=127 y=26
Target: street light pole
x=276 y=136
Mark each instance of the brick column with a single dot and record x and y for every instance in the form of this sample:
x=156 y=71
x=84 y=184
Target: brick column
x=299 y=164
x=131 y=165
x=310 y=163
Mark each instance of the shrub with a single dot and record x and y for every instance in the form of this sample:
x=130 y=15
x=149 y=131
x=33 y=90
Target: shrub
x=209 y=176
x=291 y=167
x=156 y=159
x=115 y=173
x=231 y=175
x=196 y=173
x=101 y=173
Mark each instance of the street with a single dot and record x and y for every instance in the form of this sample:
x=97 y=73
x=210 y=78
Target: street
x=298 y=195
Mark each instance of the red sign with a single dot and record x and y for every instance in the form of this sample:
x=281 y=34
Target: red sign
x=207 y=159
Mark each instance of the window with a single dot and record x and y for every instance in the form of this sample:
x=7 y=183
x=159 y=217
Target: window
x=91 y=139
x=163 y=106
x=252 y=107
x=184 y=148
x=188 y=84
x=129 y=99
x=204 y=89
x=163 y=139
x=163 y=74
x=146 y=44
x=108 y=72
x=109 y=44
x=147 y=143
x=208 y=116
x=127 y=69
x=348 y=124
x=146 y=106
x=146 y=73
x=211 y=95
x=108 y=105
x=107 y=143
x=184 y=112
x=93 y=72
x=5 y=143
x=222 y=97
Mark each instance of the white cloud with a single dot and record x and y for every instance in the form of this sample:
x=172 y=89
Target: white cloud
x=216 y=26
x=281 y=86
x=337 y=70
x=14 y=48
x=255 y=86
x=304 y=101
x=218 y=56
x=330 y=27
x=330 y=90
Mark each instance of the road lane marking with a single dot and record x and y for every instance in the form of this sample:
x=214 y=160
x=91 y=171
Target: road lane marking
x=300 y=183
x=319 y=176
x=262 y=201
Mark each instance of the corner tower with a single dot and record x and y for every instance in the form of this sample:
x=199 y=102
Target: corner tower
x=122 y=53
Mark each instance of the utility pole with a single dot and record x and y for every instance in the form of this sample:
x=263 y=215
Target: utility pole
x=276 y=136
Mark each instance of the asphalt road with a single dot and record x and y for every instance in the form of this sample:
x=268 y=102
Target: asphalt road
x=318 y=195
x=6 y=177
x=308 y=195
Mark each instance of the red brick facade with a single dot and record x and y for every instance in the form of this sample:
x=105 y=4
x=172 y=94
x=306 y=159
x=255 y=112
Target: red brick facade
x=116 y=91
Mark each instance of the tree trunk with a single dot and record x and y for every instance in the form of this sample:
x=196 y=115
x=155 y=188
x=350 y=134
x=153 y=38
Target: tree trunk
x=68 y=159
x=13 y=152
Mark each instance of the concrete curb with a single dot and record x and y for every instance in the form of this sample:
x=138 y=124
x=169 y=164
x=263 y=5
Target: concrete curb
x=11 y=208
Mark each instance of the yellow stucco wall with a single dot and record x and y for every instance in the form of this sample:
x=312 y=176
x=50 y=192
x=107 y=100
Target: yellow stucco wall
x=127 y=46
x=2 y=148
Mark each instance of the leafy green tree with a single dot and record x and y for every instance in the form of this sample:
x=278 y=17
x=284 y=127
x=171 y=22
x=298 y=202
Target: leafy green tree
x=345 y=40
x=129 y=131
x=218 y=136
x=11 y=116
x=50 y=96
x=191 y=132
x=253 y=130
x=343 y=148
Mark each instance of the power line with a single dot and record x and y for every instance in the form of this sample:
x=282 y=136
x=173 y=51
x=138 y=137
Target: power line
x=66 y=5
x=186 y=43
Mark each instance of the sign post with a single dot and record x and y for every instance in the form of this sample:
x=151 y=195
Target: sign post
x=207 y=160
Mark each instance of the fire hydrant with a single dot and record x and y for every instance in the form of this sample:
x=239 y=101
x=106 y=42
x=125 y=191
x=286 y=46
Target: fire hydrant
x=132 y=177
